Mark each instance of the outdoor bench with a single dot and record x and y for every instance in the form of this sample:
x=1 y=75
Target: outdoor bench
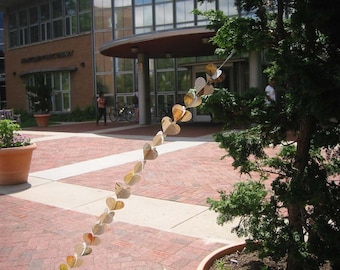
x=10 y=115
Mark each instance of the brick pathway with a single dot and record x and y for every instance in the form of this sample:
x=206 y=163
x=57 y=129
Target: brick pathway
x=36 y=236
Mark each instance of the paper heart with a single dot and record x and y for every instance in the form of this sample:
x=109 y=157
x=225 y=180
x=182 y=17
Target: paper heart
x=150 y=152
x=138 y=167
x=158 y=139
x=220 y=78
x=200 y=82
x=207 y=90
x=217 y=74
x=121 y=191
x=82 y=250
x=210 y=69
x=71 y=261
x=90 y=239
x=63 y=267
x=191 y=100
x=112 y=204
x=169 y=127
x=98 y=229
x=180 y=114
x=106 y=218
x=131 y=178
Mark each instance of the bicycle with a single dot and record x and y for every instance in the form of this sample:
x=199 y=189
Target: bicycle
x=125 y=113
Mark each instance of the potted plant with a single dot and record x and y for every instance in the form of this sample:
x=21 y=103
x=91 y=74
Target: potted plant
x=39 y=96
x=15 y=154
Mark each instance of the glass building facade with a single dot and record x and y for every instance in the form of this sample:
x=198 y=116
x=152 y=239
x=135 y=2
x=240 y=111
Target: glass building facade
x=2 y=65
x=49 y=23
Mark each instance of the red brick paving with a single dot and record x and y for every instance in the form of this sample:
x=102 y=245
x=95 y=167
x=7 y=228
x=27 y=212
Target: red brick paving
x=36 y=236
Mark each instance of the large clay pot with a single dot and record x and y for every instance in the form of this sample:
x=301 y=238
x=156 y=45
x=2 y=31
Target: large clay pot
x=219 y=253
x=15 y=164
x=42 y=119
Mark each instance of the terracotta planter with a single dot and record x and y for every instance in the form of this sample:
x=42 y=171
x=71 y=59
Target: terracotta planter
x=42 y=119
x=219 y=253
x=15 y=164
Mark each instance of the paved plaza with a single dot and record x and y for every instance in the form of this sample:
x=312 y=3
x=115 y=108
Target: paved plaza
x=165 y=224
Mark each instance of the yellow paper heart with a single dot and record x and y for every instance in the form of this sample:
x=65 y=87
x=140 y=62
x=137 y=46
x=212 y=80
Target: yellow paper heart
x=121 y=191
x=150 y=152
x=180 y=113
x=112 y=204
x=63 y=267
x=158 y=139
x=210 y=69
x=138 y=167
x=169 y=127
x=191 y=100
x=90 y=239
x=82 y=250
x=131 y=178
x=73 y=261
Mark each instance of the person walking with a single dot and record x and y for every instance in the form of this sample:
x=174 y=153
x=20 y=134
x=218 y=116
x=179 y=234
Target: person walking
x=101 y=108
x=135 y=102
x=270 y=92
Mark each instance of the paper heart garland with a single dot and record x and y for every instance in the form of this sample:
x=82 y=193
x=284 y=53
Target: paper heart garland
x=200 y=82
x=169 y=127
x=210 y=69
x=73 y=261
x=90 y=239
x=191 y=100
x=98 y=229
x=121 y=191
x=180 y=113
x=158 y=139
x=139 y=166
x=149 y=152
x=131 y=178
x=207 y=90
x=82 y=250
x=106 y=218
x=112 y=204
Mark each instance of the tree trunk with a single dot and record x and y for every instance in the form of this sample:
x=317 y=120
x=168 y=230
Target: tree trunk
x=296 y=209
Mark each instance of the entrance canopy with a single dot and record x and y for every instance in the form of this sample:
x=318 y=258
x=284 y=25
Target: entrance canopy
x=182 y=42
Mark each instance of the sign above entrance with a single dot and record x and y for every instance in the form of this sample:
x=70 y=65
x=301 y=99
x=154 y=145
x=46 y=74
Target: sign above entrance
x=47 y=57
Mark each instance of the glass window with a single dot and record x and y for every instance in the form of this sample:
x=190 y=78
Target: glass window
x=164 y=14
x=123 y=21
x=34 y=32
x=184 y=11
x=165 y=63
x=57 y=28
x=122 y=3
x=85 y=5
x=124 y=83
x=184 y=80
x=123 y=64
x=33 y=15
x=44 y=12
x=23 y=18
x=57 y=8
x=166 y=81
x=12 y=21
x=104 y=83
x=70 y=7
x=228 y=7
x=85 y=22
x=45 y=31
x=143 y=16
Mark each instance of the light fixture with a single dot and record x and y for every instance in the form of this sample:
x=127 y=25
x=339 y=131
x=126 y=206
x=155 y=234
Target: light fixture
x=205 y=40
x=134 y=49
x=82 y=64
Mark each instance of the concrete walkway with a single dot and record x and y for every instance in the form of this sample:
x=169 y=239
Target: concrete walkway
x=71 y=176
